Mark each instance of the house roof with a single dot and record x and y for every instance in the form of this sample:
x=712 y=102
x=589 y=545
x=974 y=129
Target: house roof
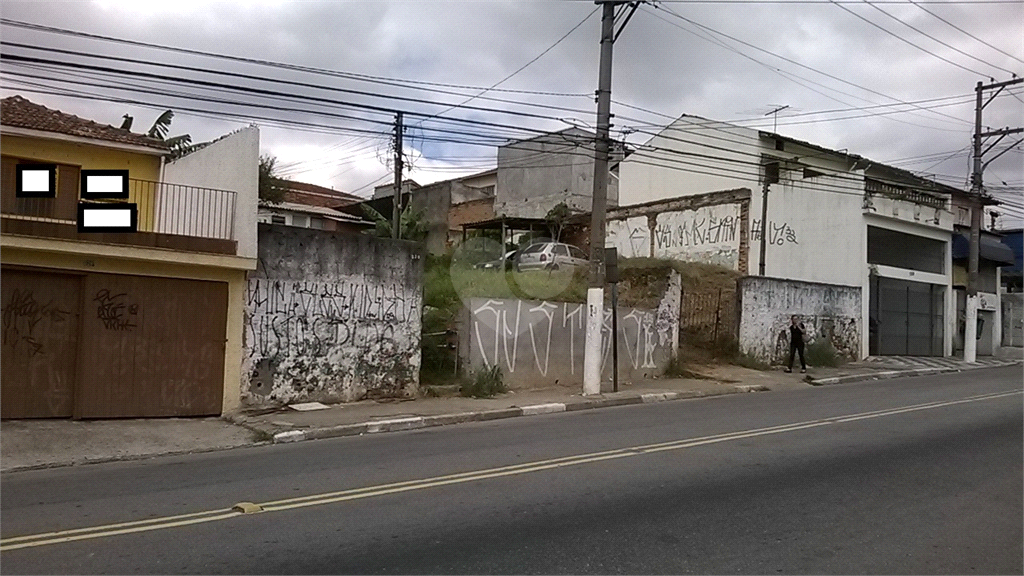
x=19 y=112
x=307 y=209
x=313 y=195
x=991 y=248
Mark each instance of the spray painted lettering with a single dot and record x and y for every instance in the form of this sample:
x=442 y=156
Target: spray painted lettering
x=114 y=311
x=21 y=314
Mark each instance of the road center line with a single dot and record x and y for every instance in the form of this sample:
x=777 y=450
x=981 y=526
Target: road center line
x=49 y=538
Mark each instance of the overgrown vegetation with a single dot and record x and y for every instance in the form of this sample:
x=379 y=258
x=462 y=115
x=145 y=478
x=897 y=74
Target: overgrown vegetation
x=271 y=187
x=822 y=353
x=410 y=224
x=677 y=368
x=486 y=383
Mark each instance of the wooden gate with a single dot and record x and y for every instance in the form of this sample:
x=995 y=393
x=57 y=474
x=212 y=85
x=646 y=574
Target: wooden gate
x=40 y=343
x=152 y=347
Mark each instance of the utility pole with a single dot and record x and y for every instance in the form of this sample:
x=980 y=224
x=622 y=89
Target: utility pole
x=396 y=215
x=771 y=176
x=598 y=213
x=977 y=207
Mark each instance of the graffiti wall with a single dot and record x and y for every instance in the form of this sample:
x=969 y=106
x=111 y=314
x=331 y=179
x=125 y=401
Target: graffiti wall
x=539 y=343
x=709 y=228
x=331 y=317
x=827 y=311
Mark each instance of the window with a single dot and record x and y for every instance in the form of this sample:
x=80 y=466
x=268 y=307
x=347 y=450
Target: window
x=561 y=250
x=891 y=248
x=278 y=219
x=811 y=173
x=300 y=220
x=578 y=253
x=316 y=223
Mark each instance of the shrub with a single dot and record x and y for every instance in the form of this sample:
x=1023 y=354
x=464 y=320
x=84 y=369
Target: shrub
x=486 y=383
x=821 y=353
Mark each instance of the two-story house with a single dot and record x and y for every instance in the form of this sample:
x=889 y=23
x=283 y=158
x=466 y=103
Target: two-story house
x=143 y=324
x=875 y=232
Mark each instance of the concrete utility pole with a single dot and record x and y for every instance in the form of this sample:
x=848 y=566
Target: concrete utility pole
x=396 y=210
x=971 y=312
x=771 y=176
x=598 y=213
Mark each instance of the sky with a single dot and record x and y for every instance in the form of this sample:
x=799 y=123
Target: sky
x=891 y=80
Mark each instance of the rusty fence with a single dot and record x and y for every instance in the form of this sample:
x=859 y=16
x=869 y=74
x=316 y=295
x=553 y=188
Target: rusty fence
x=708 y=317
x=162 y=208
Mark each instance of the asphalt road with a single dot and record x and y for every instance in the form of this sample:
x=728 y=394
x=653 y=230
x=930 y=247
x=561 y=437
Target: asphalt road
x=920 y=475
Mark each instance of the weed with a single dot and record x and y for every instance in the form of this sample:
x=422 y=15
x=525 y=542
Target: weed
x=749 y=361
x=262 y=436
x=677 y=369
x=486 y=383
x=822 y=353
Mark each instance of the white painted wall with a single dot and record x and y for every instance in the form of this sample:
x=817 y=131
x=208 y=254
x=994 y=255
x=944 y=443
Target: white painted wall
x=231 y=163
x=689 y=138
x=630 y=237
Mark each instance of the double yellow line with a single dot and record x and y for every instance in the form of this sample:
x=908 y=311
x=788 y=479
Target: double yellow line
x=161 y=523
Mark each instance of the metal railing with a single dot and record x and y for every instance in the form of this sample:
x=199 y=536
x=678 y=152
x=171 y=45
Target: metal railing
x=708 y=317
x=162 y=208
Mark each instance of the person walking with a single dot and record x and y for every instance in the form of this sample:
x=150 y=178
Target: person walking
x=796 y=343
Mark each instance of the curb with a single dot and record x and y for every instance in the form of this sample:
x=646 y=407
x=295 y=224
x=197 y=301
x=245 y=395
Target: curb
x=416 y=422
x=890 y=374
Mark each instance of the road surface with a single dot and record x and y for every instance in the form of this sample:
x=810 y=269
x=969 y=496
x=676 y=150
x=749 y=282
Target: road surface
x=918 y=475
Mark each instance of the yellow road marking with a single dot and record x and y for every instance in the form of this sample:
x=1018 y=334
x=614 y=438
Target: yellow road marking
x=49 y=538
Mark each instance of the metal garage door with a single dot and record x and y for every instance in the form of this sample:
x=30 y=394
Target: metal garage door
x=40 y=343
x=152 y=347
x=906 y=318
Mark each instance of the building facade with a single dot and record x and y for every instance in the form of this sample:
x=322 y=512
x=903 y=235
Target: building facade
x=832 y=219
x=143 y=324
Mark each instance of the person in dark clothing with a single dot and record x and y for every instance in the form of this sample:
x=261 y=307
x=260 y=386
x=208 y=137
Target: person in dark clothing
x=796 y=343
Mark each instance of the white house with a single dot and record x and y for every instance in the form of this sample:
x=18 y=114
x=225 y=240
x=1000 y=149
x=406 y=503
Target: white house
x=833 y=218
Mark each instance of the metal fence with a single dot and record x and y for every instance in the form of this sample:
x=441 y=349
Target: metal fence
x=162 y=208
x=708 y=317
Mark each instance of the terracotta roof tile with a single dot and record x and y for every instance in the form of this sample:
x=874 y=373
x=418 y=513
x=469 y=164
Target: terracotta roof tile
x=19 y=112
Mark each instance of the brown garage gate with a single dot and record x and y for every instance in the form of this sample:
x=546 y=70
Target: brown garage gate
x=111 y=346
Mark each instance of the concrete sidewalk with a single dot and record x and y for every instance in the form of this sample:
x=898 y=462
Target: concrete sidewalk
x=26 y=444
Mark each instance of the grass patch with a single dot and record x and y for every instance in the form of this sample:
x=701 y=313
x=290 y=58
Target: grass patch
x=262 y=436
x=486 y=383
x=748 y=361
x=677 y=369
x=822 y=353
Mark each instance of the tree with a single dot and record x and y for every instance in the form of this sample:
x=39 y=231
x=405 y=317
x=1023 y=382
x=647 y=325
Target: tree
x=178 y=145
x=410 y=224
x=556 y=219
x=272 y=188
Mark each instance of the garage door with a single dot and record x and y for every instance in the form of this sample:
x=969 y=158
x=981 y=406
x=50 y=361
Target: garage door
x=152 y=347
x=40 y=343
x=906 y=318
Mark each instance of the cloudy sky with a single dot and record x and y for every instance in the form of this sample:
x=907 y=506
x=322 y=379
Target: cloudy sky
x=891 y=80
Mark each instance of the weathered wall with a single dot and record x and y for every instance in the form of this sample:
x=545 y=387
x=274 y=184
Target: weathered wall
x=708 y=228
x=331 y=317
x=230 y=163
x=827 y=311
x=539 y=344
x=536 y=175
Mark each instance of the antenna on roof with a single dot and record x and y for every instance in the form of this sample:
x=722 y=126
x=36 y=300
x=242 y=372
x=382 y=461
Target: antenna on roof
x=775 y=114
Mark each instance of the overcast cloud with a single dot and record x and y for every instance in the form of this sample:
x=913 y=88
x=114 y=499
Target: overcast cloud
x=668 y=63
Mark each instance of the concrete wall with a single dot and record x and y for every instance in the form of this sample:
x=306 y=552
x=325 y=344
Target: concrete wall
x=435 y=201
x=331 y=317
x=708 y=228
x=539 y=344
x=827 y=311
x=231 y=163
x=536 y=175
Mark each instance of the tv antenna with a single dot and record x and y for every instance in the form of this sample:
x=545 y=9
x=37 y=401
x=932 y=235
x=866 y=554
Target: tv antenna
x=774 y=113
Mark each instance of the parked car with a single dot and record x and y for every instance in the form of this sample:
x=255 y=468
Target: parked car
x=551 y=256
x=505 y=262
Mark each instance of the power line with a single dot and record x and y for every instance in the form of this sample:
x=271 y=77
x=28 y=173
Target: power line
x=794 y=62
x=295 y=67
x=954 y=26
x=905 y=41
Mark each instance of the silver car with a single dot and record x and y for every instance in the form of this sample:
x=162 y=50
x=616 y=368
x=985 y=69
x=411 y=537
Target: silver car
x=551 y=256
